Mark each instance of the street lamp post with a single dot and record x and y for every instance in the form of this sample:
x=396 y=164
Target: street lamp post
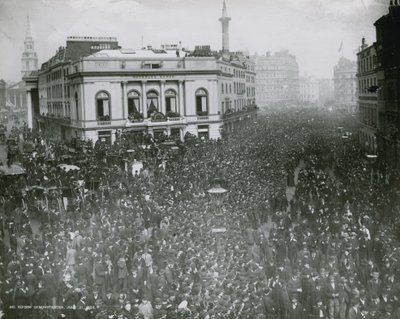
x=219 y=224
x=371 y=160
x=217 y=195
x=345 y=138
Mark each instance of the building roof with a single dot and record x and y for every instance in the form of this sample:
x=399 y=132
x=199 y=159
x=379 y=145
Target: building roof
x=138 y=53
x=346 y=65
x=18 y=85
x=79 y=47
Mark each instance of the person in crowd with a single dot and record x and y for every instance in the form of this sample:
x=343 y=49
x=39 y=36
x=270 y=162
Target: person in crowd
x=110 y=243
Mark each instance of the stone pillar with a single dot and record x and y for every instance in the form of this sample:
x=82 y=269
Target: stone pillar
x=83 y=106
x=187 y=105
x=30 y=112
x=162 y=95
x=124 y=100
x=180 y=99
x=144 y=102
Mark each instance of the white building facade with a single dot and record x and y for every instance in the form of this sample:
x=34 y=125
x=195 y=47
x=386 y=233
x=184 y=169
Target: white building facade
x=309 y=90
x=345 y=85
x=277 y=79
x=165 y=91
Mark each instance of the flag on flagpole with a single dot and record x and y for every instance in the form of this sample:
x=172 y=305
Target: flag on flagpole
x=341 y=46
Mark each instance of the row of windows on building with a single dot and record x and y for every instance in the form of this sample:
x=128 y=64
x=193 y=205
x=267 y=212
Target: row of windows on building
x=239 y=73
x=250 y=79
x=273 y=76
x=101 y=46
x=57 y=109
x=54 y=75
x=251 y=91
x=368 y=115
x=236 y=72
x=367 y=64
x=103 y=103
x=57 y=75
x=289 y=67
x=238 y=88
x=365 y=85
x=237 y=104
x=55 y=91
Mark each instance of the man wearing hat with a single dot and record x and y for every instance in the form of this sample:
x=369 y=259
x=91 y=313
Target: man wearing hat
x=319 y=310
x=100 y=275
x=122 y=273
x=135 y=284
x=109 y=300
x=270 y=307
x=296 y=310
x=294 y=286
x=332 y=296
x=372 y=312
x=374 y=286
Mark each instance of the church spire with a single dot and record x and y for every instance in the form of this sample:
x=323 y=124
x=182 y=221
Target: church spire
x=29 y=60
x=225 y=28
x=28 y=34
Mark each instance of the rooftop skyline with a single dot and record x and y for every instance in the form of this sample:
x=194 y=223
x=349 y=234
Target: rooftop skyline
x=313 y=30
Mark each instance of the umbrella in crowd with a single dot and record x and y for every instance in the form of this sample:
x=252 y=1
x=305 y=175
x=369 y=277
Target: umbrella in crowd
x=11 y=170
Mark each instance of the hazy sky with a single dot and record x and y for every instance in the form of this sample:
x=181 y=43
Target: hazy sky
x=310 y=29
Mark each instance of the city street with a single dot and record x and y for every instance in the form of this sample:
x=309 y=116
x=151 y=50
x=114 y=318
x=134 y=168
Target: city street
x=215 y=252
x=171 y=159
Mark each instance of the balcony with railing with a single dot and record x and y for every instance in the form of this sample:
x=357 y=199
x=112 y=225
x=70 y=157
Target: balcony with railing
x=246 y=111
x=64 y=119
x=103 y=123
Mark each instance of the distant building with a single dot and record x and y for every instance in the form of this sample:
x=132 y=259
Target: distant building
x=325 y=92
x=16 y=95
x=16 y=101
x=29 y=59
x=388 y=74
x=367 y=96
x=309 y=90
x=345 y=85
x=277 y=79
x=3 y=94
x=92 y=88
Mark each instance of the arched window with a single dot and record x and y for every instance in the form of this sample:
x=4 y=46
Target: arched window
x=201 y=102
x=152 y=102
x=103 y=106
x=170 y=101
x=133 y=102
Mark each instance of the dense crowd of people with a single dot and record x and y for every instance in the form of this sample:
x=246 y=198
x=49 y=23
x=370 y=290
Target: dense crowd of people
x=119 y=242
